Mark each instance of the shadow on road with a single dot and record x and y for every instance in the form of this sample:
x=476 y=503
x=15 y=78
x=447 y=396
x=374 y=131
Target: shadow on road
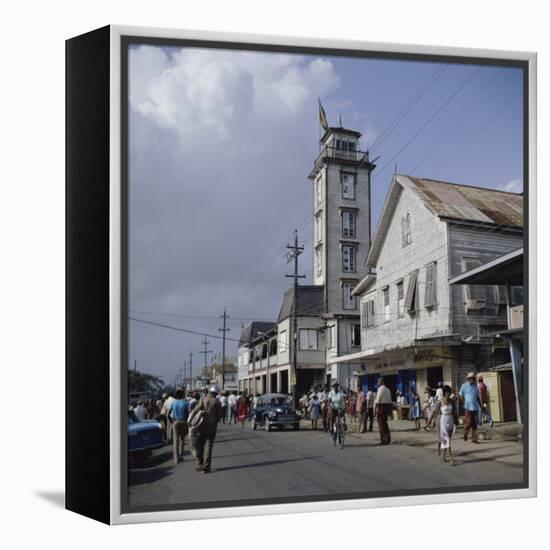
x=266 y=463
x=152 y=461
x=147 y=476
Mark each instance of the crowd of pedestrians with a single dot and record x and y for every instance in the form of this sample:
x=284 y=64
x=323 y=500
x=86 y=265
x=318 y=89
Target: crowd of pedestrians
x=195 y=415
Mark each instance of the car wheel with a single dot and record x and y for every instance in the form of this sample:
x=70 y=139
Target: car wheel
x=253 y=423
x=296 y=426
x=267 y=425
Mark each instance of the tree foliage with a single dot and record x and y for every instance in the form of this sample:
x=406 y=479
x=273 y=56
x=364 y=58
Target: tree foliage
x=143 y=381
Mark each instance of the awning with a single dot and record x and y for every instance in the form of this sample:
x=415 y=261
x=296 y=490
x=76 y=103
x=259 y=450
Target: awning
x=374 y=353
x=504 y=270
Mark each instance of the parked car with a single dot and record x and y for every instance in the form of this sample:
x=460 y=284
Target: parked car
x=143 y=437
x=274 y=409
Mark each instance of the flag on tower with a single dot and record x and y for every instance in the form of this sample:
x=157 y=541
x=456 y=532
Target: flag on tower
x=322 y=116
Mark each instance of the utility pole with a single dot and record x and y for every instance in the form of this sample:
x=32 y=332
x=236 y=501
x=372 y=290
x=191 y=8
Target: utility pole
x=205 y=352
x=223 y=331
x=191 y=368
x=293 y=257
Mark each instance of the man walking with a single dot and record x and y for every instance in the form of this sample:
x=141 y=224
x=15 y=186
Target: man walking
x=179 y=412
x=383 y=406
x=361 y=410
x=165 y=411
x=212 y=413
x=484 y=399
x=325 y=413
x=223 y=404
x=231 y=407
x=469 y=394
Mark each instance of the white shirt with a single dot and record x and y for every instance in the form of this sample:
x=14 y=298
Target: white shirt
x=141 y=412
x=439 y=394
x=223 y=400
x=383 y=396
x=167 y=405
x=232 y=400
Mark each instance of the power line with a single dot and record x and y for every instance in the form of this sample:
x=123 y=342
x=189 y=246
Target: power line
x=200 y=317
x=451 y=132
x=481 y=130
x=180 y=329
x=447 y=101
x=406 y=110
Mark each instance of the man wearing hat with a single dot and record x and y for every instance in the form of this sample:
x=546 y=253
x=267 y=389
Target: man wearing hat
x=469 y=395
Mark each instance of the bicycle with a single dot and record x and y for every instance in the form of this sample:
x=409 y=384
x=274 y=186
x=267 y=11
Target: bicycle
x=338 y=430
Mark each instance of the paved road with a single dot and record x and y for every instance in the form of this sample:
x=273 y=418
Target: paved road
x=257 y=465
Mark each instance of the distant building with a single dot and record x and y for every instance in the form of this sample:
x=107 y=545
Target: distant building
x=257 y=353
x=417 y=329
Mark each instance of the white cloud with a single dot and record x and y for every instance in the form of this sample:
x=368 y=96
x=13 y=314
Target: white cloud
x=211 y=94
x=514 y=186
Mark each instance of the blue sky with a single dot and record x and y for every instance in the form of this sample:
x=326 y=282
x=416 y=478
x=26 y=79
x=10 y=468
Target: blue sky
x=221 y=143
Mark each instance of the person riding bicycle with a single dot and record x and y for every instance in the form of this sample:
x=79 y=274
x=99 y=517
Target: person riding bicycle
x=337 y=403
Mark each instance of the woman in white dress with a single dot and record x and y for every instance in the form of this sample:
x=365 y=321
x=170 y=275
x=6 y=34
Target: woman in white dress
x=446 y=409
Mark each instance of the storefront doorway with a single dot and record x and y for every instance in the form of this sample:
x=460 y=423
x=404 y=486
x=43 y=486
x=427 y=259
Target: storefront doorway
x=434 y=375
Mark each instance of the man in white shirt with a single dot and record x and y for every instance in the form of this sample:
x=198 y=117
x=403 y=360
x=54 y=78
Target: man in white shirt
x=165 y=411
x=140 y=411
x=323 y=399
x=383 y=407
x=223 y=402
x=231 y=407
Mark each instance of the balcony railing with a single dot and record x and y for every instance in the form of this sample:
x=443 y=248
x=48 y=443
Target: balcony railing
x=346 y=154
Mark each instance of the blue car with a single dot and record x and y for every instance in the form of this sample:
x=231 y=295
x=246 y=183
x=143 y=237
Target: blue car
x=143 y=437
x=274 y=410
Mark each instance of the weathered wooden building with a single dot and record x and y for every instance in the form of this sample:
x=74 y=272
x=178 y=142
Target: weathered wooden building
x=415 y=327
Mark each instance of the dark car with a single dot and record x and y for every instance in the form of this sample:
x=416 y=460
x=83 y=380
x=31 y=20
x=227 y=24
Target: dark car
x=143 y=437
x=274 y=409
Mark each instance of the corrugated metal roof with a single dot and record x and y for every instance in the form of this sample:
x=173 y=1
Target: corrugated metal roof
x=252 y=330
x=464 y=202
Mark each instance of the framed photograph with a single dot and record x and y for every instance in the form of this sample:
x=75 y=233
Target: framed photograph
x=300 y=274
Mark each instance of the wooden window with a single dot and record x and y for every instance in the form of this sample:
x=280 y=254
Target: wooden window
x=319 y=261
x=430 y=294
x=406 y=235
x=475 y=297
x=283 y=340
x=364 y=314
x=348 y=185
x=348 y=224
x=331 y=336
x=347 y=298
x=400 y=299
x=386 y=303
x=308 y=339
x=411 y=298
x=348 y=259
x=370 y=312
x=355 y=334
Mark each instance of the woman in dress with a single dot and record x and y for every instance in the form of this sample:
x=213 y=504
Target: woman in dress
x=242 y=410
x=314 y=411
x=416 y=413
x=446 y=409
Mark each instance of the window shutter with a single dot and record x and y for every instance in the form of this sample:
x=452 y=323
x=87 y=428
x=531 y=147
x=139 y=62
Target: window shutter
x=500 y=294
x=364 y=315
x=411 y=299
x=475 y=297
x=430 y=299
